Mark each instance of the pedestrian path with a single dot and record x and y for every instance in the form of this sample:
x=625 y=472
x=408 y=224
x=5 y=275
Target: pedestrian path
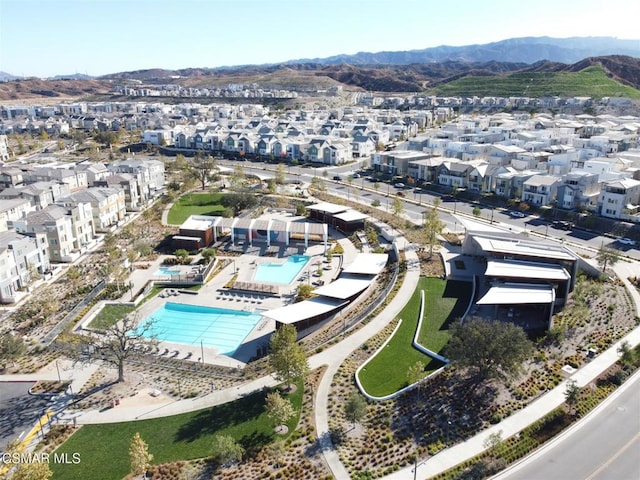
x=457 y=454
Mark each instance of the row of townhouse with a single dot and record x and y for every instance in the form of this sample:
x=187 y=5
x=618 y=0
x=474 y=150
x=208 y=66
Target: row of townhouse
x=68 y=206
x=610 y=193
x=20 y=257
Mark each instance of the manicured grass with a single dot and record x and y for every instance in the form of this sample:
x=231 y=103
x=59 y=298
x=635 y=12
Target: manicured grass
x=387 y=372
x=195 y=204
x=590 y=82
x=445 y=302
x=104 y=448
x=109 y=315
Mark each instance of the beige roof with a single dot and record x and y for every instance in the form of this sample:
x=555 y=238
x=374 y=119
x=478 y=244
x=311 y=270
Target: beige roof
x=518 y=294
x=343 y=287
x=303 y=310
x=517 y=269
x=367 y=263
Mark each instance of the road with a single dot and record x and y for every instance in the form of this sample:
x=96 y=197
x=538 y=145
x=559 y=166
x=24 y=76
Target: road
x=603 y=446
x=415 y=204
x=19 y=411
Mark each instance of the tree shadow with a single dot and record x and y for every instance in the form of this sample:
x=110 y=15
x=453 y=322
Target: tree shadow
x=213 y=419
x=461 y=291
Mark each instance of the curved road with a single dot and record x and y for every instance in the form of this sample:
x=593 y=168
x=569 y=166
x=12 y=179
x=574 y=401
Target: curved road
x=605 y=445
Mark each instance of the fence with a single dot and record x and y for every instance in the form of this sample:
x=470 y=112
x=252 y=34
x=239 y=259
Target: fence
x=73 y=314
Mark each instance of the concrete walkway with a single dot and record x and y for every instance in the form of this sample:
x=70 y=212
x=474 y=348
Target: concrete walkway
x=334 y=357
x=457 y=454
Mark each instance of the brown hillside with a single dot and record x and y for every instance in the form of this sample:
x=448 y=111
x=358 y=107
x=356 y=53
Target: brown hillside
x=35 y=88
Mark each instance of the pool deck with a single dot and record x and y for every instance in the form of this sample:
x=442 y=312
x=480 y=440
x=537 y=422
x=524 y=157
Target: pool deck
x=214 y=294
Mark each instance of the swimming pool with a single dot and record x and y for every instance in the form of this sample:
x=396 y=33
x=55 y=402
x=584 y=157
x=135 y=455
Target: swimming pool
x=166 y=272
x=284 y=273
x=218 y=328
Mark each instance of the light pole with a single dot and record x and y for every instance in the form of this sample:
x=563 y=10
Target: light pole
x=58 y=369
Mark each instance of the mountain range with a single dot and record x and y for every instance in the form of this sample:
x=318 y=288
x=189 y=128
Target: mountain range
x=403 y=71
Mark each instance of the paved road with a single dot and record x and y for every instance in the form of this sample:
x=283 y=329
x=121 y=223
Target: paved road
x=19 y=411
x=603 y=446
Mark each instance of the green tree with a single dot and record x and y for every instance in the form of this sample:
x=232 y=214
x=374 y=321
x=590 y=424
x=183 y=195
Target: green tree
x=415 y=373
x=239 y=201
x=11 y=348
x=476 y=212
x=572 y=395
x=278 y=409
x=281 y=174
x=118 y=343
x=208 y=254
x=489 y=349
x=355 y=409
x=432 y=226
x=287 y=358
x=397 y=207
x=627 y=357
x=303 y=292
x=606 y=257
x=203 y=169
x=139 y=456
x=225 y=449
x=238 y=176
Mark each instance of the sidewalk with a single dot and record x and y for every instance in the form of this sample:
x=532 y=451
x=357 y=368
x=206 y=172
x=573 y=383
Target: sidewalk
x=334 y=357
x=457 y=454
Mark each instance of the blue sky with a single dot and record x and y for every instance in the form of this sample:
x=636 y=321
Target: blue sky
x=96 y=37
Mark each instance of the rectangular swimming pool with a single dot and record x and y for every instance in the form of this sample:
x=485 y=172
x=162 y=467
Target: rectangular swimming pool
x=218 y=328
x=283 y=273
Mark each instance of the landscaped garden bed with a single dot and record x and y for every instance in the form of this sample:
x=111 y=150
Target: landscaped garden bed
x=450 y=407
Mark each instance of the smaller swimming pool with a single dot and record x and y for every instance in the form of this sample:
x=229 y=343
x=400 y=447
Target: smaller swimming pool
x=283 y=273
x=166 y=272
x=219 y=328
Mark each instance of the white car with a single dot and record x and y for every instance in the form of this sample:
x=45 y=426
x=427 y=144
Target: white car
x=626 y=241
x=399 y=185
x=516 y=214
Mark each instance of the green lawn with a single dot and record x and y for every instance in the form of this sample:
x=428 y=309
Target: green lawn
x=444 y=303
x=195 y=204
x=387 y=372
x=104 y=448
x=109 y=315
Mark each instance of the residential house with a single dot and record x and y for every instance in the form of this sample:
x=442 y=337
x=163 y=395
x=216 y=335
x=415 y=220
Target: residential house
x=10 y=177
x=129 y=184
x=453 y=173
x=149 y=175
x=4 y=148
x=12 y=210
x=540 y=189
x=95 y=171
x=396 y=162
x=56 y=222
x=578 y=189
x=424 y=169
x=162 y=136
x=108 y=205
x=619 y=198
x=20 y=257
x=75 y=179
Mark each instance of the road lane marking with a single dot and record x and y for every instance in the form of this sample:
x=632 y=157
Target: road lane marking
x=612 y=459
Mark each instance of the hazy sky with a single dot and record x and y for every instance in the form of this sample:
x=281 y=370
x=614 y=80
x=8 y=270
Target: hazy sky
x=96 y=37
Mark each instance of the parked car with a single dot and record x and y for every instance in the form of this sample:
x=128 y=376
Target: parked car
x=626 y=241
x=399 y=185
x=355 y=175
x=561 y=224
x=337 y=178
x=516 y=214
x=447 y=198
